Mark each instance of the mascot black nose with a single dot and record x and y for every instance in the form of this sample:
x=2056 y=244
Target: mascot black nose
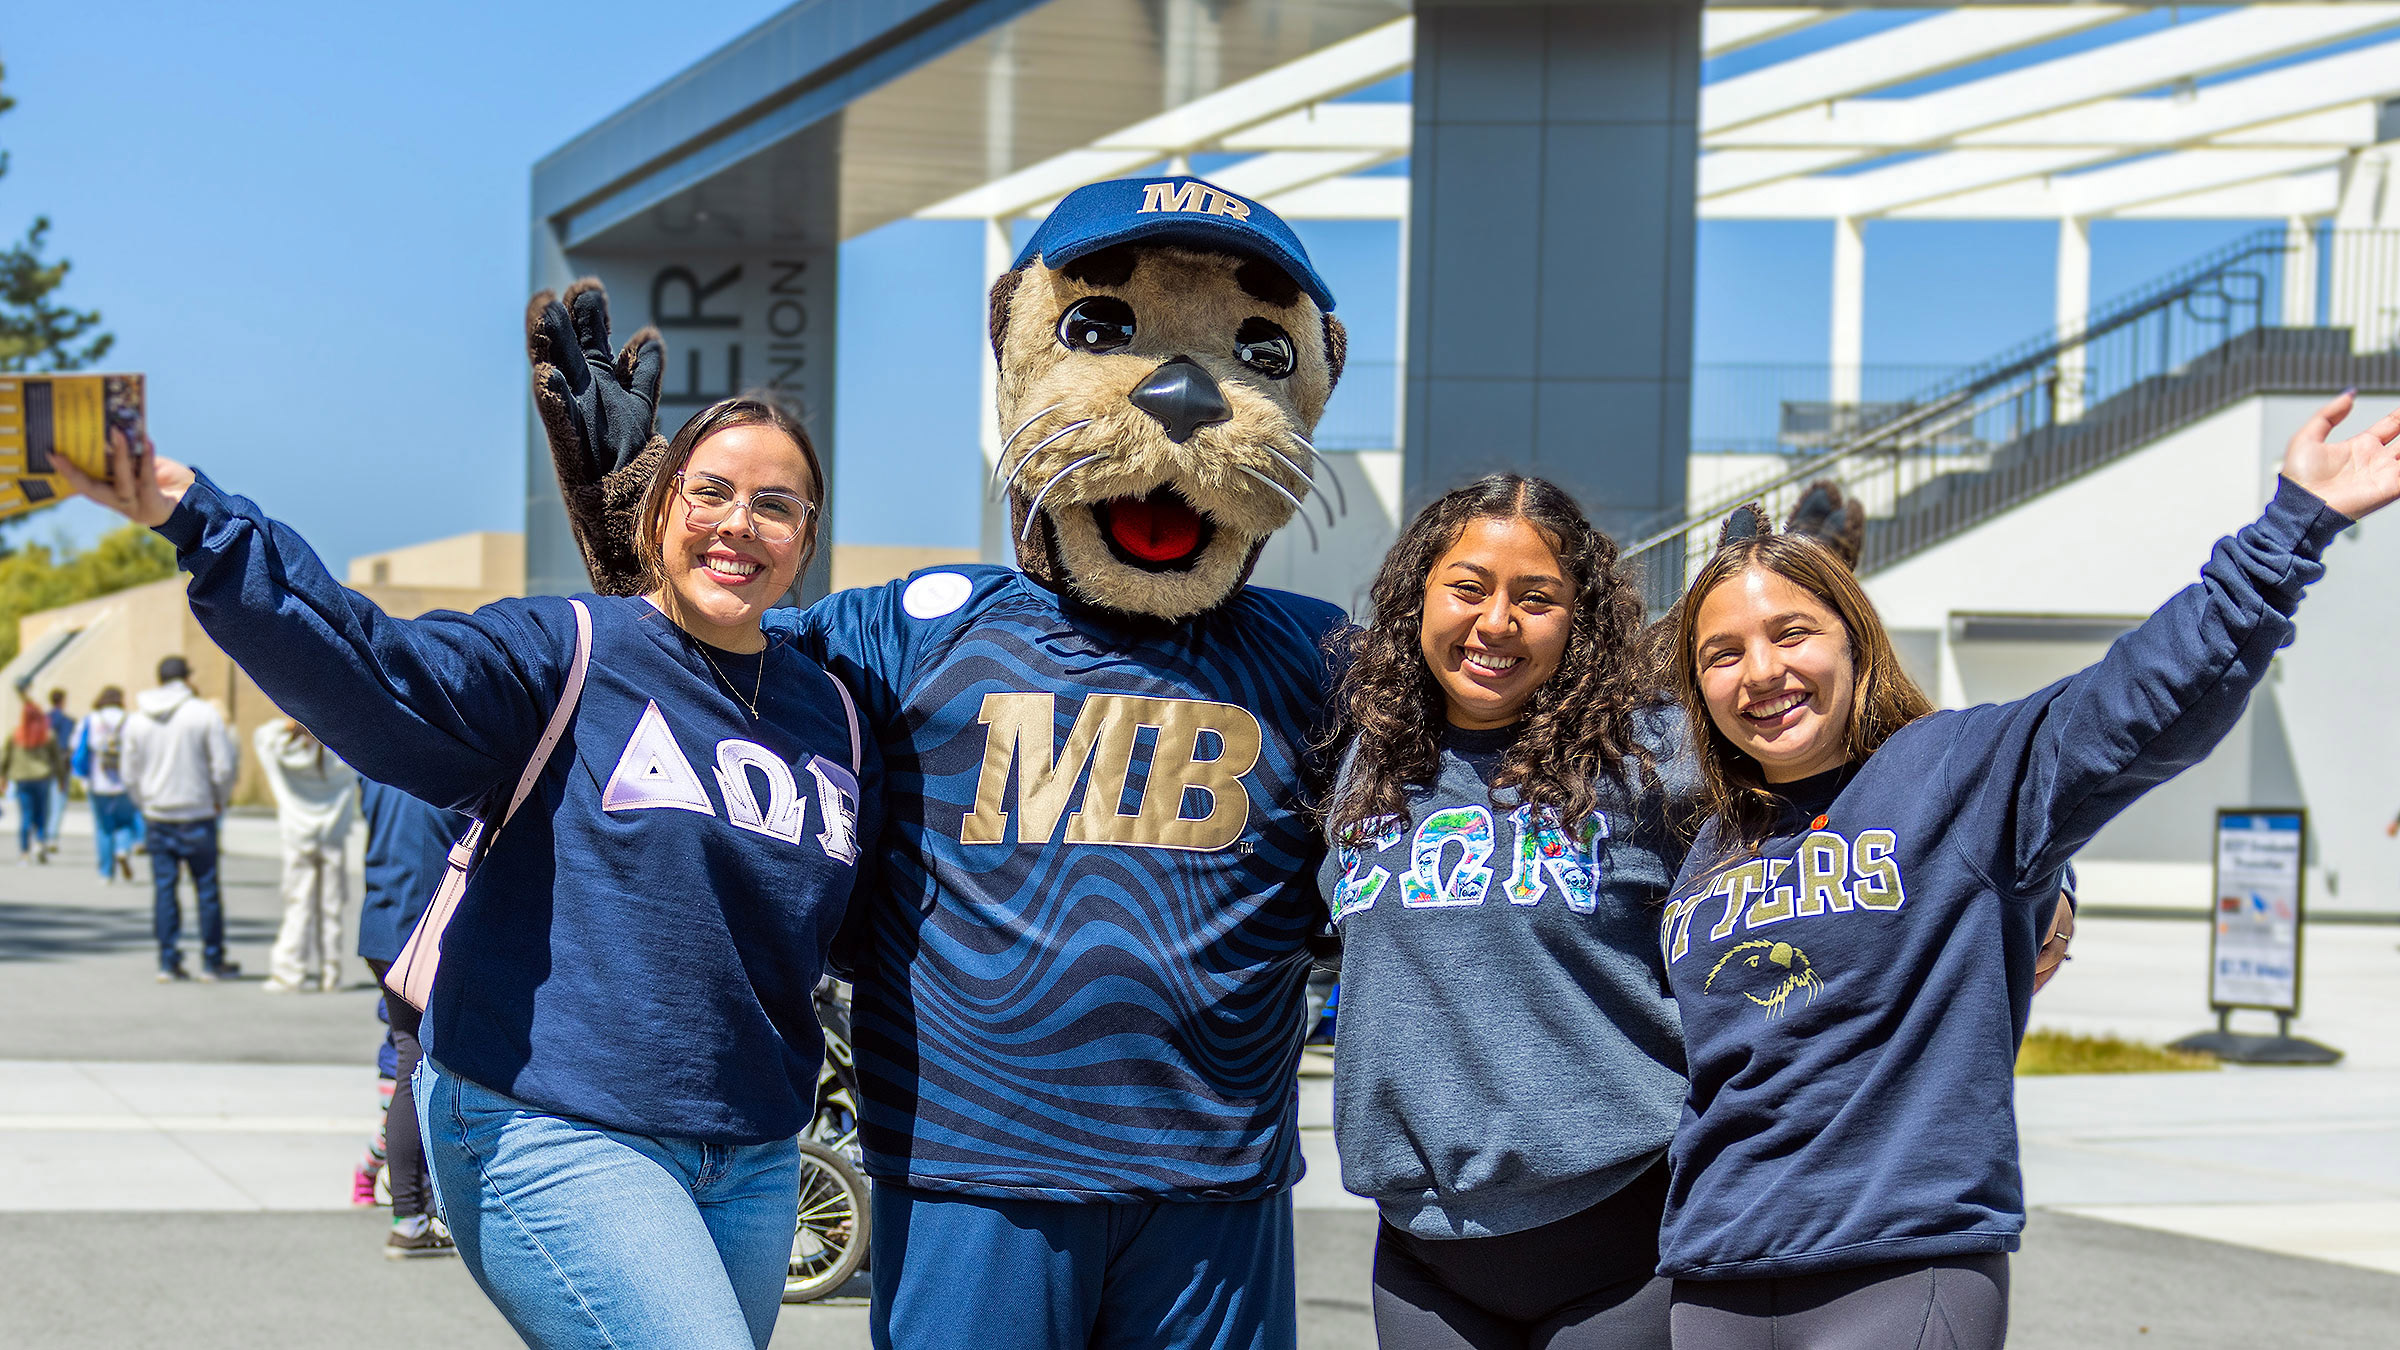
x=1182 y=397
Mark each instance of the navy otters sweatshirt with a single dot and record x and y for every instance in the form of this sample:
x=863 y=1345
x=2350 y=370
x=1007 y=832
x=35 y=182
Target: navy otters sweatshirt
x=1853 y=996
x=639 y=946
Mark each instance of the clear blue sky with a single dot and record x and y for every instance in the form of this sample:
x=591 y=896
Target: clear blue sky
x=307 y=223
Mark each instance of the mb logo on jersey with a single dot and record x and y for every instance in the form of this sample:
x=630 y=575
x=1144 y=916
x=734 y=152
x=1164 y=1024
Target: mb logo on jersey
x=1190 y=796
x=655 y=775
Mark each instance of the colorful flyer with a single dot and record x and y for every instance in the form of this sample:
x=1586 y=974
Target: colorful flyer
x=47 y=418
x=2254 y=952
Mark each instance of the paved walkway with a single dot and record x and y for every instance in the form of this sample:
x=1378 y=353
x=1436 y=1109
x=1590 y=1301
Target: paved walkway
x=176 y=1158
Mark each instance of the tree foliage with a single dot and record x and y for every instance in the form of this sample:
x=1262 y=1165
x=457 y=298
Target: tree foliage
x=35 y=578
x=35 y=332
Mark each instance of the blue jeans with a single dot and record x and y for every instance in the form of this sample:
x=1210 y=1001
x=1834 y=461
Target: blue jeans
x=1039 y=1274
x=590 y=1237
x=192 y=843
x=115 y=825
x=33 y=813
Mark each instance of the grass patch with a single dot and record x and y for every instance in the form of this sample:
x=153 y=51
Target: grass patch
x=2048 y=1052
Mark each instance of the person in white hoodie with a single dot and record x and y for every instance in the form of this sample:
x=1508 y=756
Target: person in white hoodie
x=179 y=763
x=316 y=798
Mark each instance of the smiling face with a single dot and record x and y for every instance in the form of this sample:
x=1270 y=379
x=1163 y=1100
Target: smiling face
x=721 y=577
x=1498 y=612
x=1776 y=672
x=1155 y=405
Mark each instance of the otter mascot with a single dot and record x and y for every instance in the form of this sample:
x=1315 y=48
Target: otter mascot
x=1079 y=992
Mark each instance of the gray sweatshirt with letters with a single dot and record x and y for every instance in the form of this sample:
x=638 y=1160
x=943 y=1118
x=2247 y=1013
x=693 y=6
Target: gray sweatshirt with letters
x=1507 y=1053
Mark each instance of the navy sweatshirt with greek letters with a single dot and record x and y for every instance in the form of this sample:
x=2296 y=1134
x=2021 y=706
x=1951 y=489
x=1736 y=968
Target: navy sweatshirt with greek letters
x=639 y=946
x=1853 y=996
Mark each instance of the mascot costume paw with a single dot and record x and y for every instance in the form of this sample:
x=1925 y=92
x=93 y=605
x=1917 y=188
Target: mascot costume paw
x=1079 y=989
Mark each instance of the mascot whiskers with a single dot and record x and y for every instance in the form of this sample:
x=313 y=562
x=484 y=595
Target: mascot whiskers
x=1079 y=990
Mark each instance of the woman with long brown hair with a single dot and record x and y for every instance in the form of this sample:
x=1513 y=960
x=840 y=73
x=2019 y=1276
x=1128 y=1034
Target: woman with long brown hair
x=621 y=1046
x=1853 y=939
x=1501 y=810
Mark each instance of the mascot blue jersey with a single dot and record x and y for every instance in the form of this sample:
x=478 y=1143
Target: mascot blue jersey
x=1079 y=978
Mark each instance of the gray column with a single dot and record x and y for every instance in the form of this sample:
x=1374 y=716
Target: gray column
x=1550 y=250
x=739 y=275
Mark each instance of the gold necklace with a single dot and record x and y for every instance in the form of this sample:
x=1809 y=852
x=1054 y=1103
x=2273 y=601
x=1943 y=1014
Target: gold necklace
x=760 y=683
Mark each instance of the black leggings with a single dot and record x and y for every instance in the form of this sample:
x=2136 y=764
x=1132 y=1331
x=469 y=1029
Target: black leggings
x=1582 y=1283
x=1950 y=1303
x=403 y=1151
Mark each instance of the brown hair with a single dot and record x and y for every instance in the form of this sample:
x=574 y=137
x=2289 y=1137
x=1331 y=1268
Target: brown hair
x=658 y=499
x=1733 y=787
x=1578 y=725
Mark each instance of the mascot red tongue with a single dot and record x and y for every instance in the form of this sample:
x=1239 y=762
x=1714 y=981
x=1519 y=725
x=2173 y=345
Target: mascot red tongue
x=1159 y=528
x=1074 y=1021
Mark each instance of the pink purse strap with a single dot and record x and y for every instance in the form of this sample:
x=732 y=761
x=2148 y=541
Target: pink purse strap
x=559 y=716
x=849 y=710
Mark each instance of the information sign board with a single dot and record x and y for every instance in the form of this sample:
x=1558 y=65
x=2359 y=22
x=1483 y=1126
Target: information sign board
x=2254 y=943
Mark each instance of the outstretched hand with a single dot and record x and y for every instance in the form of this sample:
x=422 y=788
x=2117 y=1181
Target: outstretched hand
x=603 y=406
x=2356 y=477
x=141 y=486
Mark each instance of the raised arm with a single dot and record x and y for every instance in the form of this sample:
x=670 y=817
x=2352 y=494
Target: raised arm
x=2072 y=757
x=445 y=707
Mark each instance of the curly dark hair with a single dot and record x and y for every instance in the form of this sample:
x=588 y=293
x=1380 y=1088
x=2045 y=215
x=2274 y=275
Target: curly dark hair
x=1578 y=727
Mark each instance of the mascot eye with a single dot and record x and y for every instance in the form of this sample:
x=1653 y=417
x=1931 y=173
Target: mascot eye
x=1265 y=347
x=1097 y=323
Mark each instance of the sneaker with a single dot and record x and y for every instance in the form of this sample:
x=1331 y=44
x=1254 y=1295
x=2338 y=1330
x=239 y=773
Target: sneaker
x=329 y=983
x=223 y=970
x=418 y=1235
x=173 y=974
x=276 y=984
x=362 y=1185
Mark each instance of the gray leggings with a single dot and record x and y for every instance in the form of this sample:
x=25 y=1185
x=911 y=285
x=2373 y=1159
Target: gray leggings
x=1951 y=1303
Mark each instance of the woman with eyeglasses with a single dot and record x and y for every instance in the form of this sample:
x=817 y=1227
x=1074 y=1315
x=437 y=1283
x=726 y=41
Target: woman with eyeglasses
x=620 y=1046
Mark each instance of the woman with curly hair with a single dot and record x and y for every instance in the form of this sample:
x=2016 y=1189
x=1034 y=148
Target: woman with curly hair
x=1503 y=807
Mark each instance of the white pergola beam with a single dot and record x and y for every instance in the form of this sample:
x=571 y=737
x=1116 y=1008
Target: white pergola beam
x=1894 y=56
x=1287 y=170
x=1331 y=126
x=2125 y=189
x=2051 y=102
x=1383 y=197
x=1353 y=63
x=2312 y=193
x=1727 y=30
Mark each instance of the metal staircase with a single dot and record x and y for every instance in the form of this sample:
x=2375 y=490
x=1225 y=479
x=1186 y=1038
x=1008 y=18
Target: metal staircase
x=2050 y=410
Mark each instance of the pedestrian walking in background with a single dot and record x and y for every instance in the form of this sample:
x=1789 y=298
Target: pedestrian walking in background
x=316 y=798
x=622 y=1041
x=408 y=848
x=179 y=766
x=1496 y=699
x=62 y=736
x=99 y=757
x=30 y=763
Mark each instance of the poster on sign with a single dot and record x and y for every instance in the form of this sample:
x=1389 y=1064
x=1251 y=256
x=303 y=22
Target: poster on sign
x=2254 y=947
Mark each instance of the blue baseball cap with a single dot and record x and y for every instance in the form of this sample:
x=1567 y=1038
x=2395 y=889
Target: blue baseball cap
x=1191 y=212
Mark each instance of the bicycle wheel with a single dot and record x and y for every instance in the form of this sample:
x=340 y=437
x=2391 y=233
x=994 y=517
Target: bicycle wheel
x=829 y=1241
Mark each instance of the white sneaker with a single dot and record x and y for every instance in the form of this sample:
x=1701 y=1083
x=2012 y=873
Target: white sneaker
x=276 y=984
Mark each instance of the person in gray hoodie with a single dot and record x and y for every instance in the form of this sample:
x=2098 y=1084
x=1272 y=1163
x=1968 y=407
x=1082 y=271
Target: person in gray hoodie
x=179 y=763
x=1505 y=809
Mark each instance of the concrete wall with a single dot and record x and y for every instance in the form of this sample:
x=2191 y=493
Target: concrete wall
x=488 y=560
x=122 y=637
x=2118 y=543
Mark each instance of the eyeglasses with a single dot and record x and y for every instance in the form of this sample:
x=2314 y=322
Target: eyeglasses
x=775 y=517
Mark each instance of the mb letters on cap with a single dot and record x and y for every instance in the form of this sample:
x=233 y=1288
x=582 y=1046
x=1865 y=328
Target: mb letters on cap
x=1192 y=212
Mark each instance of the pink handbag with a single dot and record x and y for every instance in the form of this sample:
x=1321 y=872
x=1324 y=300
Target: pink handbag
x=410 y=978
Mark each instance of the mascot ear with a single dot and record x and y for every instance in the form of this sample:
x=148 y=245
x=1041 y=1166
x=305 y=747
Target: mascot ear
x=1833 y=519
x=1748 y=521
x=1337 y=351
x=1004 y=294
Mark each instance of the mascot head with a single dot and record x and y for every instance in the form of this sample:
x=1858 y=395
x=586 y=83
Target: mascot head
x=1165 y=350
